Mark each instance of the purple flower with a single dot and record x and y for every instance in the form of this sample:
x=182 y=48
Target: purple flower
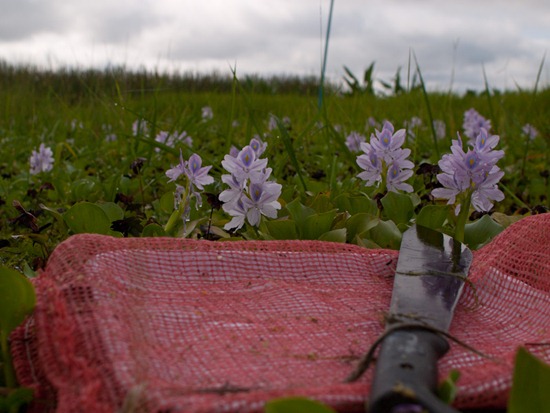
x=139 y=127
x=371 y=164
x=272 y=123
x=207 y=113
x=41 y=160
x=171 y=139
x=262 y=200
x=245 y=165
x=110 y=136
x=198 y=174
x=385 y=161
x=257 y=145
x=530 y=131
x=471 y=174
x=175 y=172
x=473 y=123
x=439 y=127
x=193 y=170
x=354 y=140
x=238 y=212
x=371 y=123
x=250 y=195
x=488 y=191
x=386 y=142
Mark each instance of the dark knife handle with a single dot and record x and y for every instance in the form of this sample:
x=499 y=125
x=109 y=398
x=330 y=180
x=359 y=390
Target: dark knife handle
x=405 y=377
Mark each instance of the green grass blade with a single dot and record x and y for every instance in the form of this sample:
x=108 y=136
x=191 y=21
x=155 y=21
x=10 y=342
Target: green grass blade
x=323 y=69
x=488 y=92
x=428 y=107
x=539 y=74
x=287 y=141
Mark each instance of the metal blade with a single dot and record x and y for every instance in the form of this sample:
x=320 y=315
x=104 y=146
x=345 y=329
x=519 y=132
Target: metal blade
x=429 y=278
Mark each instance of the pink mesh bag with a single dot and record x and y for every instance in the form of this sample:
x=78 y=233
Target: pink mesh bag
x=176 y=325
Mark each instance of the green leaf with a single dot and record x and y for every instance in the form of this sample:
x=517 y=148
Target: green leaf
x=166 y=202
x=360 y=223
x=112 y=210
x=322 y=203
x=19 y=397
x=296 y=405
x=478 y=233
x=530 y=385
x=86 y=188
x=153 y=230
x=398 y=207
x=448 y=389
x=356 y=204
x=433 y=216
x=298 y=211
x=317 y=224
x=386 y=235
x=85 y=217
x=282 y=229
x=336 y=235
x=17 y=299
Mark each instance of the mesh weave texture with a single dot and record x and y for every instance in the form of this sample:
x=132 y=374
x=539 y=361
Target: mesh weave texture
x=175 y=325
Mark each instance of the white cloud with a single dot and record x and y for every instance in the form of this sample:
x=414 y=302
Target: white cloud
x=507 y=38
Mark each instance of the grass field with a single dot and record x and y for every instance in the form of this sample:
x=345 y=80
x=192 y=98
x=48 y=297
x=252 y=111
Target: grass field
x=73 y=113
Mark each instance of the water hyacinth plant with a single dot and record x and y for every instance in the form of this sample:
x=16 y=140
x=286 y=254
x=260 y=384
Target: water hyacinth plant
x=384 y=161
x=195 y=177
x=250 y=194
x=41 y=160
x=470 y=178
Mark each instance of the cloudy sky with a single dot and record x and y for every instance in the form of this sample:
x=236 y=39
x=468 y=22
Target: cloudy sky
x=509 y=39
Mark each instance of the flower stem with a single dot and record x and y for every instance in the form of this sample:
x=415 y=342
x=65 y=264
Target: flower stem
x=463 y=217
x=180 y=211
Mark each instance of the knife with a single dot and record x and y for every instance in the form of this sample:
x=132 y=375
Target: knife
x=429 y=279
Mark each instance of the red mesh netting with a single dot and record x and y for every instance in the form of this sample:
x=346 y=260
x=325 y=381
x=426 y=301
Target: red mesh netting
x=177 y=325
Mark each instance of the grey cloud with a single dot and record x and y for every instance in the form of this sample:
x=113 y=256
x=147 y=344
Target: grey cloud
x=22 y=19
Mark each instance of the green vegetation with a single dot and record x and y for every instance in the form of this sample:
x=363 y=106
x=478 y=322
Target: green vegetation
x=107 y=178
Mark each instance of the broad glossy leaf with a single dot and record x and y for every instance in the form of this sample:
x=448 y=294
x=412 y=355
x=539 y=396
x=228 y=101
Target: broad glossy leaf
x=298 y=211
x=85 y=217
x=360 y=223
x=153 y=230
x=433 y=216
x=317 y=224
x=282 y=229
x=398 y=207
x=86 y=188
x=336 y=235
x=478 y=233
x=166 y=202
x=322 y=203
x=531 y=383
x=386 y=235
x=356 y=204
x=296 y=405
x=112 y=210
x=17 y=299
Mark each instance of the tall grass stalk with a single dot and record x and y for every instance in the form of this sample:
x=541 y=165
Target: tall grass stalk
x=287 y=141
x=488 y=93
x=428 y=107
x=531 y=104
x=325 y=54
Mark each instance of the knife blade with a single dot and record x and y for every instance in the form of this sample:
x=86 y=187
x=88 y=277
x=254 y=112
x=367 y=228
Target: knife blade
x=429 y=278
